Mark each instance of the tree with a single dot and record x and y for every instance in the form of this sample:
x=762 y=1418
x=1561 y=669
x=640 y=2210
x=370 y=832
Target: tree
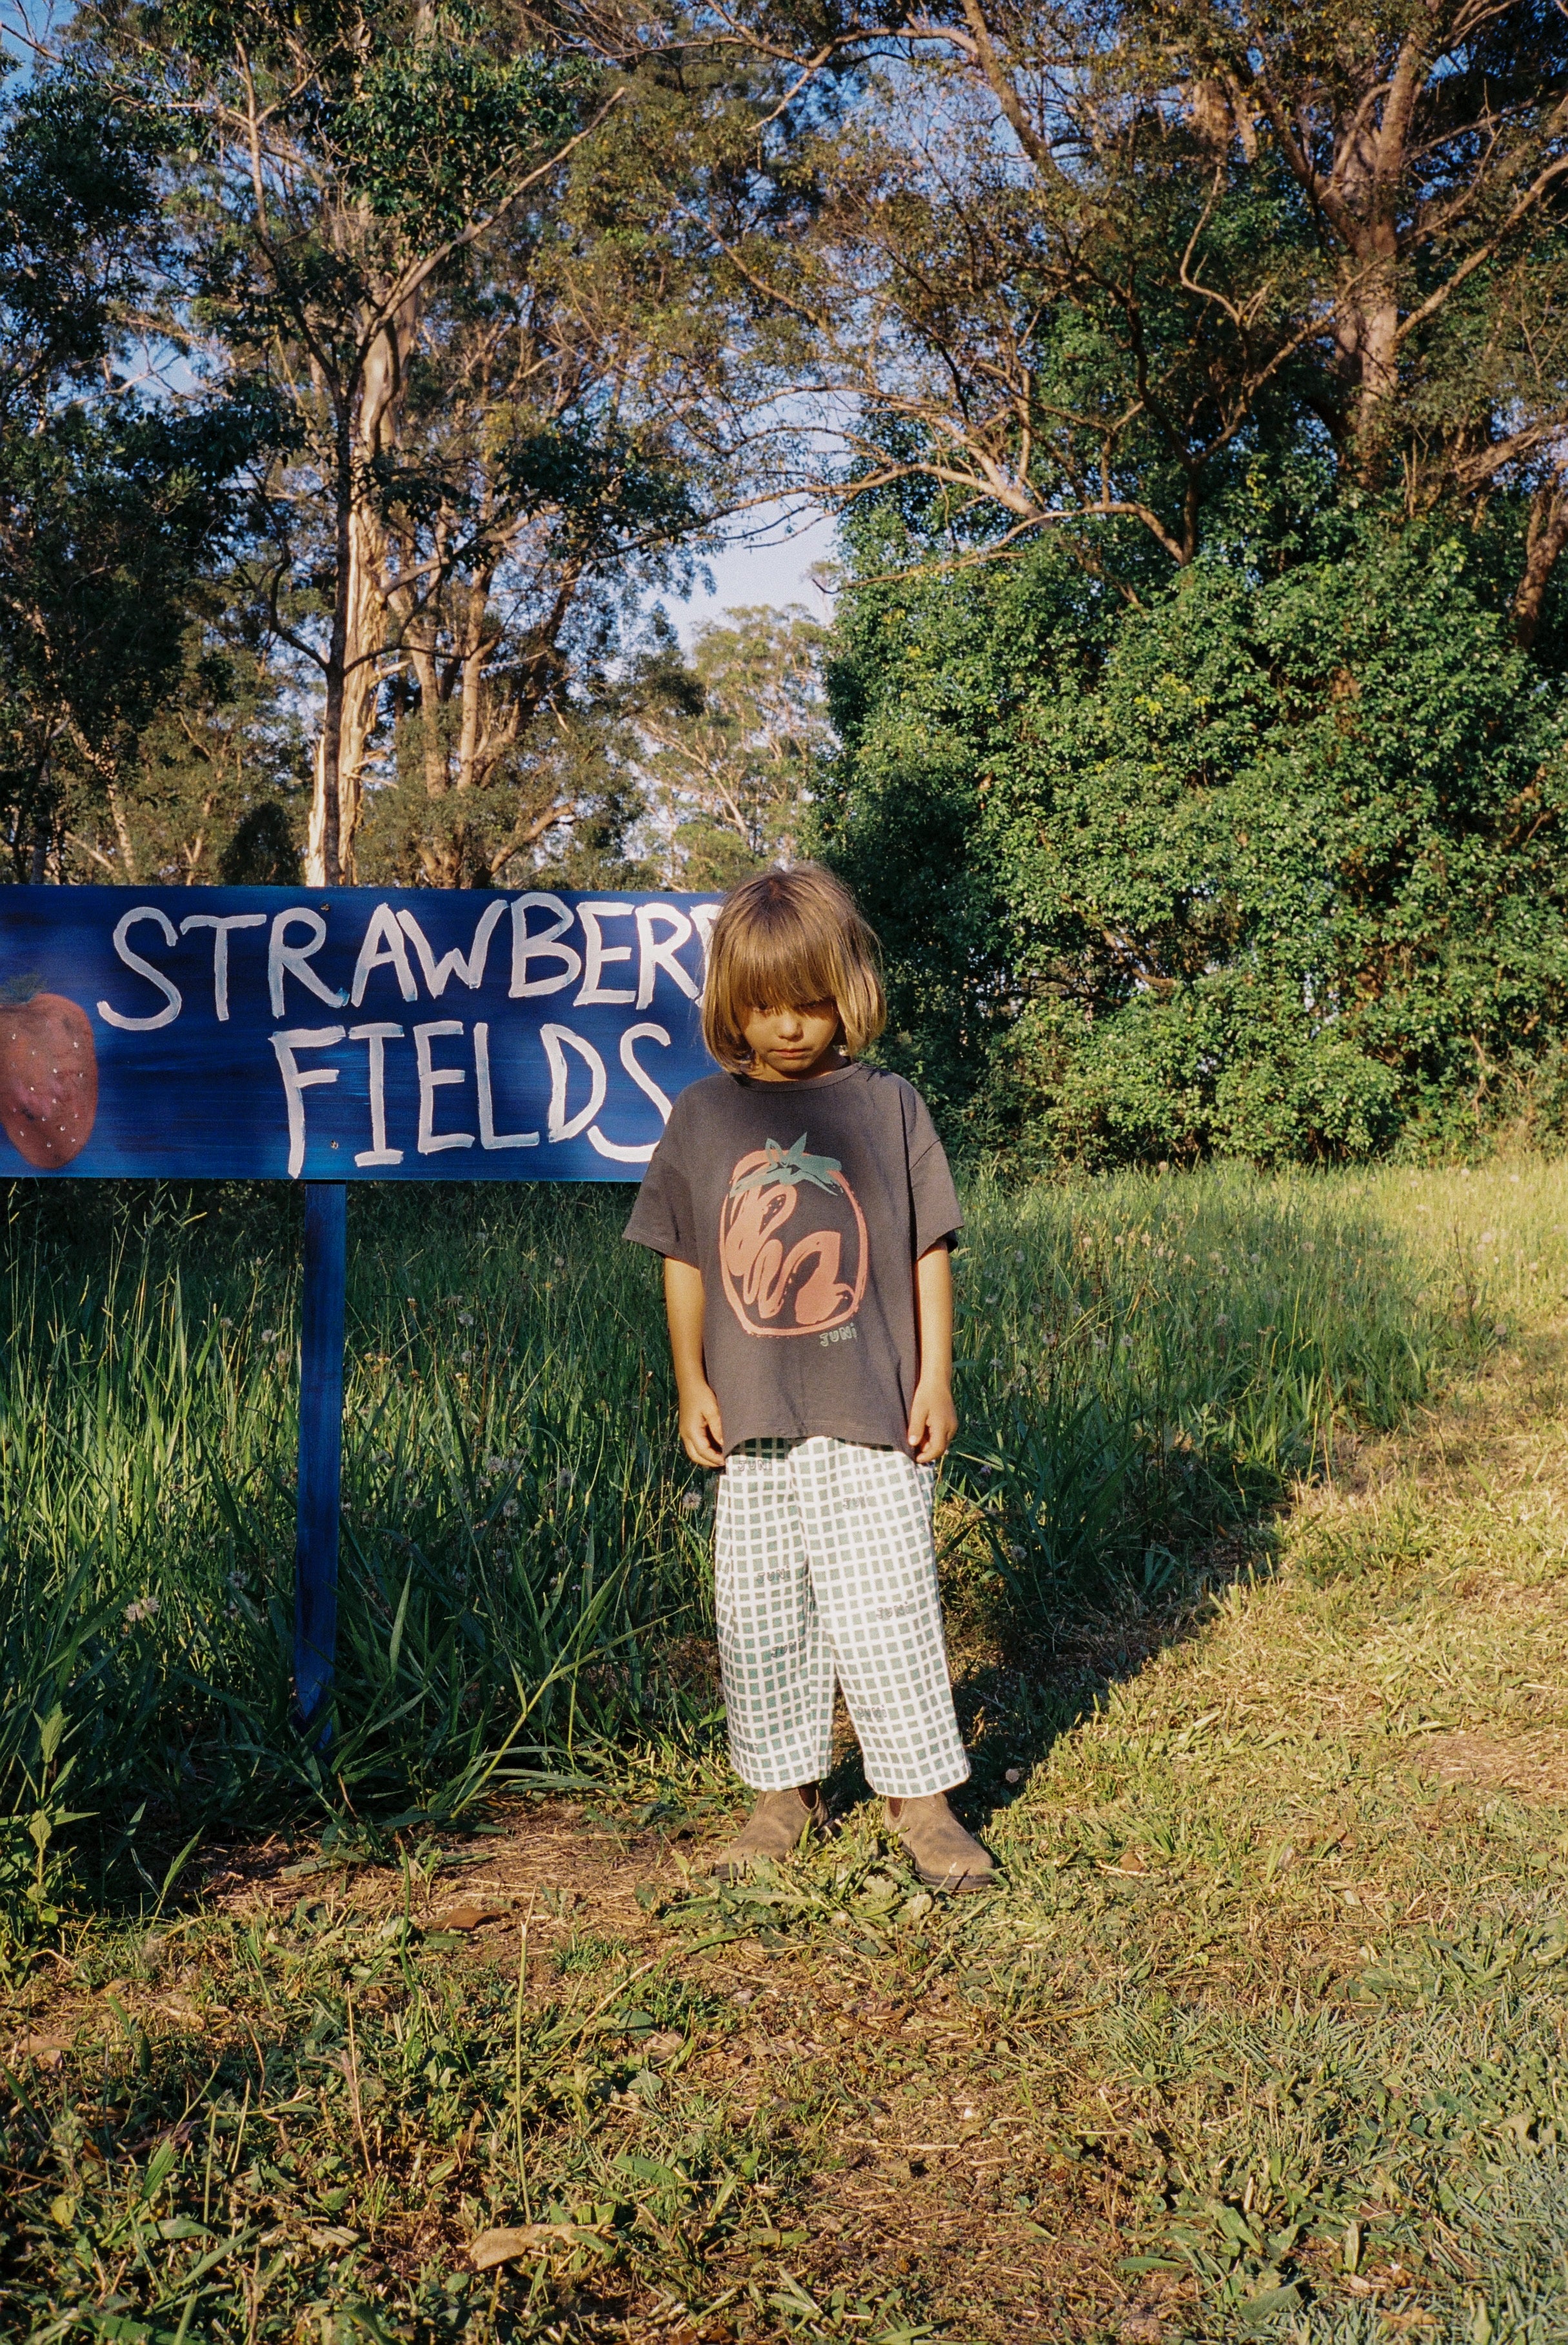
x=540 y=489
x=1269 y=868
x=337 y=158
x=1077 y=265
x=219 y=789
x=732 y=747
x=462 y=270
x=111 y=503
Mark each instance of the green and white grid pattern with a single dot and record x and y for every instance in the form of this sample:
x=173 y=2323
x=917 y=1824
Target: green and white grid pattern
x=825 y=1568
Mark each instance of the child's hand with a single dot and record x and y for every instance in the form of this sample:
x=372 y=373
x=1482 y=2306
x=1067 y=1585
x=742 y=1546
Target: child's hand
x=933 y=1421
x=701 y=1427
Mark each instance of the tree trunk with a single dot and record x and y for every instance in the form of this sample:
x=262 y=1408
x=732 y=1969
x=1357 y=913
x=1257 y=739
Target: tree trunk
x=123 y=834
x=1548 y=534
x=362 y=681
x=368 y=420
x=323 y=864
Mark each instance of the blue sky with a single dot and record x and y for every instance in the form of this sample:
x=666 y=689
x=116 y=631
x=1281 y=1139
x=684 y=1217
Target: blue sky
x=769 y=564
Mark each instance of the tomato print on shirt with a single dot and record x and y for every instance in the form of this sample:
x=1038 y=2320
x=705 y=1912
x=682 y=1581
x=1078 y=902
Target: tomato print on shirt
x=793 y=1247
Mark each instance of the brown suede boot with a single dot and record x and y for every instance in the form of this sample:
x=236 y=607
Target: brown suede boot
x=942 y=1852
x=776 y=1827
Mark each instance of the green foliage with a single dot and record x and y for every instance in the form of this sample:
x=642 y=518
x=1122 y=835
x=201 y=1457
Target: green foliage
x=434 y=130
x=1268 y=866
x=262 y=853
x=111 y=505
x=732 y=746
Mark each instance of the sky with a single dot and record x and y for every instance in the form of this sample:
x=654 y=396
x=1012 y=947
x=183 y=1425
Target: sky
x=769 y=564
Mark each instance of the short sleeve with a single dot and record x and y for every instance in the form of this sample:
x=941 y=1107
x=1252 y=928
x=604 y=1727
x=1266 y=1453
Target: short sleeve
x=662 y=1219
x=933 y=1197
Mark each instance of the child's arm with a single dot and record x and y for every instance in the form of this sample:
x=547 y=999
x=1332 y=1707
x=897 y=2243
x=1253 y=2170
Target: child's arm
x=933 y=1419
x=701 y=1427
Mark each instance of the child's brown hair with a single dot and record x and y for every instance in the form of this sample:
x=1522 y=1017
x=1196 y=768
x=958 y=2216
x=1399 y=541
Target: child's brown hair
x=784 y=940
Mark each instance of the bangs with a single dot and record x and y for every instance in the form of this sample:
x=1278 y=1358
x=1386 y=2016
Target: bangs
x=787 y=940
x=781 y=965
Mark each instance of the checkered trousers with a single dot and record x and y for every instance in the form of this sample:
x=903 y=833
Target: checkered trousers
x=825 y=1568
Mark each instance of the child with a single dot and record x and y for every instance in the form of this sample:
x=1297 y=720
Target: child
x=803 y=1206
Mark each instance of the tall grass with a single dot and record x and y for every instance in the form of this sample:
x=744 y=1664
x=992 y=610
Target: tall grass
x=517 y=1526
x=1144 y=1361
x=523 y=1560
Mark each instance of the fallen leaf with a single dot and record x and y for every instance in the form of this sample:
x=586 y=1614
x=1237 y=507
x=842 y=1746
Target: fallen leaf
x=471 y=1914
x=1131 y=1862
x=47 y=2050
x=493 y=2248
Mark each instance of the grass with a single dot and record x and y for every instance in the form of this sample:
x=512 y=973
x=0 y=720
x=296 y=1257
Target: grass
x=513 y=1525
x=523 y=1565
x=1258 y=1615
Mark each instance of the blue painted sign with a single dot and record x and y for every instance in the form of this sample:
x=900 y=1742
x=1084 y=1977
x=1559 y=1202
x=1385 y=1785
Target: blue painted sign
x=345 y=1034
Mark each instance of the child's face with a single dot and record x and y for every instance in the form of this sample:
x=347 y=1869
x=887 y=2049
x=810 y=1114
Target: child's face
x=786 y=1045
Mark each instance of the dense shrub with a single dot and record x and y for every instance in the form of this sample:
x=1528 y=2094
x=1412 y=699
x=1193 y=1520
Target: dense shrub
x=1269 y=867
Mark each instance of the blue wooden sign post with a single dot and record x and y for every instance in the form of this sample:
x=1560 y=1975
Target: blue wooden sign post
x=285 y=1034
x=323 y=1309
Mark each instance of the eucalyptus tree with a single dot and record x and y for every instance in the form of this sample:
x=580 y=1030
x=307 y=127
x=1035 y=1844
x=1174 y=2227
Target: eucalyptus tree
x=448 y=237
x=1079 y=260
x=732 y=746
x=334 y=159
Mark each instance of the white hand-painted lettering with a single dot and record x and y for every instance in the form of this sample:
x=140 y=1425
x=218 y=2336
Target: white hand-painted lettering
x=377 y=1036
x=703 y=919
x=220 y=923
x=468 y=965
x=656 y=954
x=431 y=1142
x=640 y=1075
x=645 y=1083
x=383 y=948
x=525 y=948
x=599 y=953
x=558 y=1125
x=489 y=1137
x=295 y=959
x=173 y=999
x=297 y=1080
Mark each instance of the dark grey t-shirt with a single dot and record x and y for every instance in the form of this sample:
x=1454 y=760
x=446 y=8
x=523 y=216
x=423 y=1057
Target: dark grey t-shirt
x=805 y=1207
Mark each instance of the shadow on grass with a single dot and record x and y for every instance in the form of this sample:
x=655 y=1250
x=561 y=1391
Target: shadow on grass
x=1021 y=1682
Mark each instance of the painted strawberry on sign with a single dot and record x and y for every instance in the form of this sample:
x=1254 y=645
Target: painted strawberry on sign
x=48 y=1074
